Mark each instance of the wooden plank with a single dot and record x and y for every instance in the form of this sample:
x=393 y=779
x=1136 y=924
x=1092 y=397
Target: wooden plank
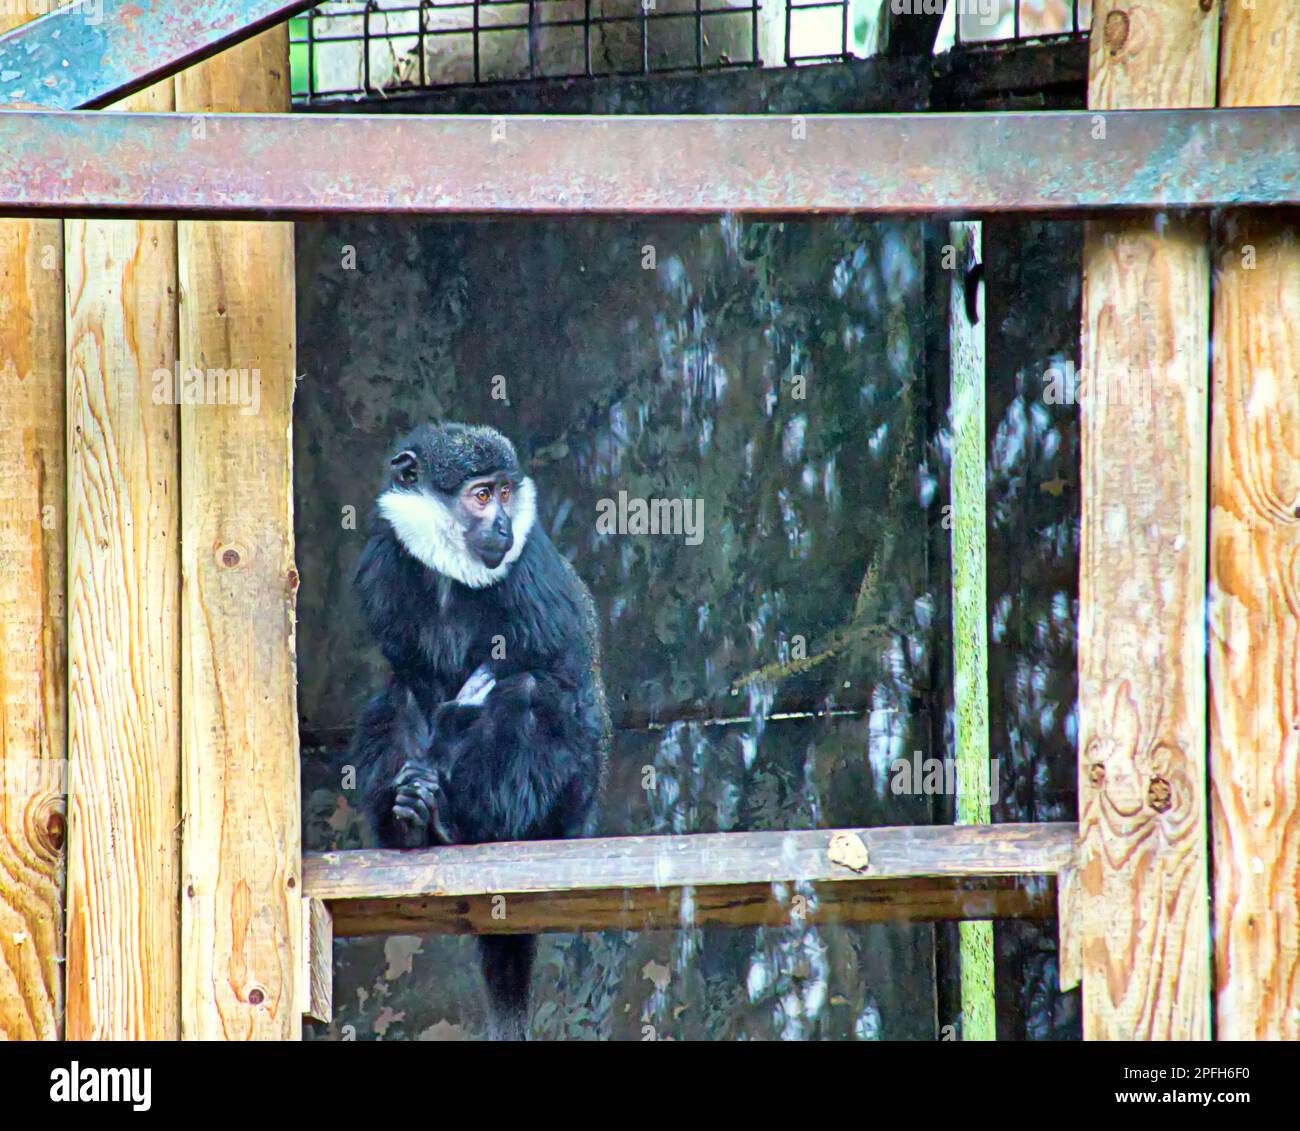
x=241 y=950
x=920 y=873
x=1069 y=960
x=318 y=961
x=1254 y=551
x=1143 y=898
x=33 y=625
x=123 y=970
x=970 y=600
x=124 y=928
x=734 y=905
x=702 y=859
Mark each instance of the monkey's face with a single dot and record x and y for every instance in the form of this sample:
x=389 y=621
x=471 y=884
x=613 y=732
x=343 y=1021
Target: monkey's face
x=483 y=507
x=472 y=533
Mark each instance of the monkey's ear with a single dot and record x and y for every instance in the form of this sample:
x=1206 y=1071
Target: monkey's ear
x=406 y=468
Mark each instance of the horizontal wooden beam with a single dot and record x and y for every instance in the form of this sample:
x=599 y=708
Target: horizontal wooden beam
x=93 y=52
x=915 y=873
x=284 y=165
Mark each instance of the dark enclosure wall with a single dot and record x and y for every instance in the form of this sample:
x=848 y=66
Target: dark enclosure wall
x=791 y=377
x=763 y=678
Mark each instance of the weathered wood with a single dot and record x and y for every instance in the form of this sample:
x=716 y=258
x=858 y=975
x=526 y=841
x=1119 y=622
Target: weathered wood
x=701 y=859
x=241 y=950
x=1142 y=809
x=1254 y=554
x=33 y=625
x=123 y=970
x=721 y=879
x=1069 y=960
x=318 y=960
x=1152 y=54
x=735 y=905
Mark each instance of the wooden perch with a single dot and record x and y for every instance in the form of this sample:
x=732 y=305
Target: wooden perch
x=921 y=873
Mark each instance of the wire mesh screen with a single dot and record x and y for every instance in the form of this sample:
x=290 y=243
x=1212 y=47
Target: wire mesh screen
x=987 y=21
x=368 y=47
x=817 y=31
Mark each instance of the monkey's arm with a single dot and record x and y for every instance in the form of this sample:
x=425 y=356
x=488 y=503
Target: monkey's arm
x=401 y=786
x=399 y=601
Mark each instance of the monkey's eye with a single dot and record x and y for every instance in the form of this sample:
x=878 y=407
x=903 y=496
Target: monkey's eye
x=483 y=495
x=408 y=476
x=505 y=492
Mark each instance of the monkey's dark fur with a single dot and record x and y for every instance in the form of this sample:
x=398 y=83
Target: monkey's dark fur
x=526 y=764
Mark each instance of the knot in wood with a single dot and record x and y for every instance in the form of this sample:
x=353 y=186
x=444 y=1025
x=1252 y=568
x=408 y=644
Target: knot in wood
x=1160 y=794
x=1115 y=30
x=1097 y=775
x=231 y=555
x=49 y=828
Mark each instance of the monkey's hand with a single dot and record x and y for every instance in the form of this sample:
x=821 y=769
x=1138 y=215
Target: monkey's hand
x=452 y=717
x=477 y=688
x=419 y=807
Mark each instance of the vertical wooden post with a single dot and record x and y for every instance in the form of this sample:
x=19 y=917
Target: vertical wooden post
x=1142 y=876
x=1255 y=568
x=123 y=971
x=241 y=903
x=970 y=605
x=33 y=625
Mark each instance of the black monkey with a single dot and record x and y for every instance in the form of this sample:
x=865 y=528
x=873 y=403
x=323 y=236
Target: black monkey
x=493 y=725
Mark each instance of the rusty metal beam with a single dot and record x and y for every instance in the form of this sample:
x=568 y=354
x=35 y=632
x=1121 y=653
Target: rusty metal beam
x=93 y=52
x=302 y=165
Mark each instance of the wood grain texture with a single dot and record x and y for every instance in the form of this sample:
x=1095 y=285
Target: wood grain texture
x=33 y=625
x=1152 y=54
x=123 y=971
x=921 y=873
x=1255 y=569
x=856 y=902
x=1142 y=871
x=700 y=859
x=241 y=900
x=1069 y=960
x=1259 y=47
x=318 y=961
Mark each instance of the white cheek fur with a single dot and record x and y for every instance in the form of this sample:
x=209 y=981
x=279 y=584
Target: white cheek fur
x=432 y=535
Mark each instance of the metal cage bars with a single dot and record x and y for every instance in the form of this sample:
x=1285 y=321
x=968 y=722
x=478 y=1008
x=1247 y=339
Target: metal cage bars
x=429 y=46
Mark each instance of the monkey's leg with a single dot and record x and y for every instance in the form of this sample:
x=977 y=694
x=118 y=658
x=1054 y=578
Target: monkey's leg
x=512 y=771
x=576 y=811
